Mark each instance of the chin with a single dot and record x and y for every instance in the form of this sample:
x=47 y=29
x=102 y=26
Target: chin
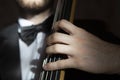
x=33 y=4
x=34 y=7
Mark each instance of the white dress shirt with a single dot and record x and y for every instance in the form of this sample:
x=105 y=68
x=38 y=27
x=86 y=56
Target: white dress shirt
x=29 y=53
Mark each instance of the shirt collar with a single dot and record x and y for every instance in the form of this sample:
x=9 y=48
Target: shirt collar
x=23 y=22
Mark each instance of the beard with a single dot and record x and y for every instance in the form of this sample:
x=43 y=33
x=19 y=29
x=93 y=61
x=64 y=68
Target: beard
x=34 y=6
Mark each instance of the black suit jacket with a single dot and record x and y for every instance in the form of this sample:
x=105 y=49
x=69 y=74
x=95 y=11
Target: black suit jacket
x=10 y=57
x=9 y=54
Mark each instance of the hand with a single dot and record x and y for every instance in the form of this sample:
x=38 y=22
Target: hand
x=84 y=50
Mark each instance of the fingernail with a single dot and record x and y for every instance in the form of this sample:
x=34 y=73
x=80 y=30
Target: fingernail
x=45 y=67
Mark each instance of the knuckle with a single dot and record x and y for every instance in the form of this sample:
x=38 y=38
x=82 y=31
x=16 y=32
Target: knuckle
x=54 y=66
x=55 y=36
x=49 y=66
x=47 y=50
x=48 y=40
x=81 y=30
x=61 y=22
x=56 y=49
x=59 y=65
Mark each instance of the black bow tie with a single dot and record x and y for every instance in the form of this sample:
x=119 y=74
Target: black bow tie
x=28 y=34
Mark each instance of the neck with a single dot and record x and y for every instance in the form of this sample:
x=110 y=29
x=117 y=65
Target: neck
x=38 y=18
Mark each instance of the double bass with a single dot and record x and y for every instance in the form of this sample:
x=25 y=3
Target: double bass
x=64 y=10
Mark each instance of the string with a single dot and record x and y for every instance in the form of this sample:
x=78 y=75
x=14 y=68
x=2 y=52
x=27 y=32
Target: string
x=43 y=72
x=56 y=13
x=51 y=75
x=58 y=16
x=47 y=72
x=57 y=72
x=55 y=19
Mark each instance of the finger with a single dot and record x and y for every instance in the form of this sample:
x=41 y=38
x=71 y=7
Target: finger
x=60 y=64
x=59 y=38
x=59 y=49
x=66 y=26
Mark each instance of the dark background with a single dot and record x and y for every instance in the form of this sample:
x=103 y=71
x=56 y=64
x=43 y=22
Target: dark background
x=105 y=10
x=8 y=12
